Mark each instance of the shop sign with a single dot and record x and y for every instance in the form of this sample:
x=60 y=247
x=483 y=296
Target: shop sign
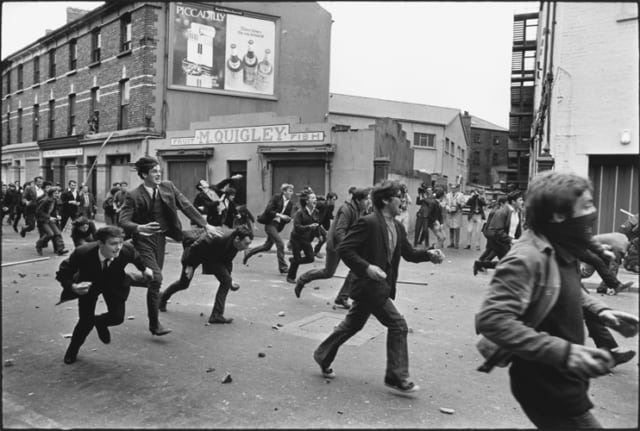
x=26 y=155
x=246 y=135
x=62 y=152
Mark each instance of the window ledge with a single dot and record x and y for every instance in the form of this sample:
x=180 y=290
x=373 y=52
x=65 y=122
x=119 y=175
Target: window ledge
x=71 y=72
x=124 y=53
x=418 y=147
x=51 y=80
x=36 y=85
x=94 y=64
x=19 y=91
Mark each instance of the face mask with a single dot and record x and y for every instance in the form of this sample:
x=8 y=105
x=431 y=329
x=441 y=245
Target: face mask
x=573 y=234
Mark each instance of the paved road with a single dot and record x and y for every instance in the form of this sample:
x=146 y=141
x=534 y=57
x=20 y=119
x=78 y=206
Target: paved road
x=175 y=381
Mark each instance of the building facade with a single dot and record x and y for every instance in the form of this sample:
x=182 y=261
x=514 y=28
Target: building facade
x=488 y=164
x=586 y=100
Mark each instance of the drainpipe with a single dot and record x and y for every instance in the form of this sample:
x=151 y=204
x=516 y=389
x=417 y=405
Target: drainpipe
x=550 y=78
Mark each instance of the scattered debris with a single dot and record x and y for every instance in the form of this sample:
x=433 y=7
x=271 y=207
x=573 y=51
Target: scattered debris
x=67 y=335
x=447 y=411
x=451 y=296
x=269 y=346
x=8 y=363
x=94 y=350
x=281 y=314
x=275 y=327
x=22 y=275
x=201 y=314
x=131 y=317
x=37 y=306
x=15 y=282
x=316 y=287
x=210 y=370
x=340 y=413
x=279 y=325
x=227 y=378
x=410 y=330
x=261 y=355
x=415 y=308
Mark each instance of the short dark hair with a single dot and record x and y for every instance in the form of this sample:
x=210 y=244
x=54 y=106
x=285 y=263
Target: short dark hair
x=513 y=196
x=39 y=176
x=125 y=183
x=230 y=191
x=242 y=232
x=553 y=192
x=357 y=194
x=47 y=183
x=332 y=195
x=385 y=191
x=145 y=164
x=106 y=232
x=71 y=181
x=115 y=184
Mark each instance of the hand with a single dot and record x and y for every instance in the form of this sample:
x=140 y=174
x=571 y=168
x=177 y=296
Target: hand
x=608 y=254
x=149 y=228
x=147 y=274
x=625 y=323
x=589 y=361
x=213 y=230
x=236 y=176
x=53 y=219
x=81 y=288
x=376 y=273
x=285 y=218
x=314 y=225
x=435 y=256
x=188 y=272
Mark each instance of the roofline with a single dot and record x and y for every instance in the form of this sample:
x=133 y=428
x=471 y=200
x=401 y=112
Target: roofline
x=396 y=101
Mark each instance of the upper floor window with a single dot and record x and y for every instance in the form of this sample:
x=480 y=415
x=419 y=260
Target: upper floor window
x=96 y=45
x=52 y=63
x=426 y=140
x=19 y=137
x=475 y=159
x=453 y=149
x=52 y=118
x=94 y=116
x=36 y=121
x=123 y=113
x=8 y=128
x=496 y=140
x=20 y=77
x=8 y=75
x=476 y=138
x=71 y=125
x=36 y=69
x=73 y=54
x=462 y=154
x=495 y=159
x=446 y=145
x=125 y=32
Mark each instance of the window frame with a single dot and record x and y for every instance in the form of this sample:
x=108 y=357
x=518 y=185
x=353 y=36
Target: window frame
x=73 y=54
x=124 y=98
x=71 y=114
x=8 y=128
x=36 y=69
x=20 y=76
x=35 y=122
x=126 y=33
x=19 y=129
x=96 y=45
x=52 y=63
x=52 y=118
x=429 y=140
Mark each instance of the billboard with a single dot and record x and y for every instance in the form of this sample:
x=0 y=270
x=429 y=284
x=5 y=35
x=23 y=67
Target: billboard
x=222 y=49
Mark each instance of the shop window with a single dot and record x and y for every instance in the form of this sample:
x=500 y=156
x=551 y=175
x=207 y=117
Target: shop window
x=123 y=113
x=73 y=54
x=36 y=70
x=52 y=63
x=476 y=138
x=96 y=45
x=424 y=140
x=446 y=145
x=52 y=118
x=71 y=124
x=19 y=137
x=495 y=159
x=36 y=121
x=125 y=32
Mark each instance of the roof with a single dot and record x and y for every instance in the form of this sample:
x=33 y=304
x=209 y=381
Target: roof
x=479 y=123
x=380 y=108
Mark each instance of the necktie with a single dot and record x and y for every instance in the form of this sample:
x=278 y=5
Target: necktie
x=155 y=195
x=105 y=264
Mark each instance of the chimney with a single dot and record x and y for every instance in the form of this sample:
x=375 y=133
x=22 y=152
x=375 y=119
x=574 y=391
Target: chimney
x=75 y=13
x=47 y=31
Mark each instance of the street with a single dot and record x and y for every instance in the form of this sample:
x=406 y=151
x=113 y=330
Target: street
x=175 y=381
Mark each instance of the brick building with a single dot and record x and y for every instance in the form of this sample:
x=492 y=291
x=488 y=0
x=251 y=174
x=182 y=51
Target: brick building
x=488 y=163
x=586 y=101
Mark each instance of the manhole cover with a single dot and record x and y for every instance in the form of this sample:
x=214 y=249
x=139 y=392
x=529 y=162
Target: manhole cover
x=319 y=326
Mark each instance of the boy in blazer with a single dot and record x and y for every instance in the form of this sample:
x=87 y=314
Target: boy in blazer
x=372 y=250
x=94 y=269
x=216 y=255
x=149 y=215
x=275 y=216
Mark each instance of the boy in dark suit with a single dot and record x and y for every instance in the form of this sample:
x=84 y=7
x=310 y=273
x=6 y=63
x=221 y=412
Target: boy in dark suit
x=70 y=204
x=216 y=255
x=91 y=270
x=149 y=215
x=372 y=250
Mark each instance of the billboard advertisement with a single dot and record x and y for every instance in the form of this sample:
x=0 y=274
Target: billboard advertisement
x=222 y=49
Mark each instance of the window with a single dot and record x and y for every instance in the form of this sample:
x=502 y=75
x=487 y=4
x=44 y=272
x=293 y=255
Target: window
x=453 y=149
x=94 y=115
x=19 y=138
x=9 y=81
x=36 y=121
x=123 y=114
x=36 y=70
x=496 y=140
x=8 y=128
x=20 y=77
x=125 y=32
x=96 y=44
x=71 y=126
x=462 y=154
x=476 y=138
x=475 y=159
x=512 y=159
x=494 y=158
x=425 y=140
x=52 y=63
x=52 y=118
x=73 y=54
x=446 y=145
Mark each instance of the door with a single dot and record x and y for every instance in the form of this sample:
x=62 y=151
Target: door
x=185 y=175
x=239 y=167
x=615 y=186
x=300 y=173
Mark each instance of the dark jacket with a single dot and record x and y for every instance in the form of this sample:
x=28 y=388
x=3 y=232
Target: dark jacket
x=367 y=244
x=67 y=208
x=87 y=210
x=302 y=221
x=137 y=210
x=84 y=265
x=500 y=224
x=46 y=208
x=325 y=213
x=476 y=205
x=274 y=207
x=210 y=251
x=347 y=215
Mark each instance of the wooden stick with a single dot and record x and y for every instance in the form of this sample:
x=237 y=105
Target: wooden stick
x=86 y=180
x=25 y=261
x=626 y=212
x=397 y=281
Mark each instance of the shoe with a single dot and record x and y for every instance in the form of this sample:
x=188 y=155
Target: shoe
x=62 y=252
x=621 y=356
x=601 y=290
x=478 y=248
x=15 y=228
x=103 y=333
x=404 y=387
x=245 y=258
x=327 y=372
x=39 y=250
x=320 y=255
x=162 y=305
x=22 y=233
x=476 y=268
x=159 y=331
x=611 y=291
x=624 y=286
x=298 y=289
x=342 y=302
x=284 y=270
x=451 y=246
x=234 y=287
x=70 y=355
x=467 y=247
x=219 y=319
x=291 y=280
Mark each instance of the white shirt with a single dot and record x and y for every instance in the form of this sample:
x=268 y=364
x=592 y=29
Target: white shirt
x=513 y=223
x=150 y=191
x=284 y=205
x=102 y=259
